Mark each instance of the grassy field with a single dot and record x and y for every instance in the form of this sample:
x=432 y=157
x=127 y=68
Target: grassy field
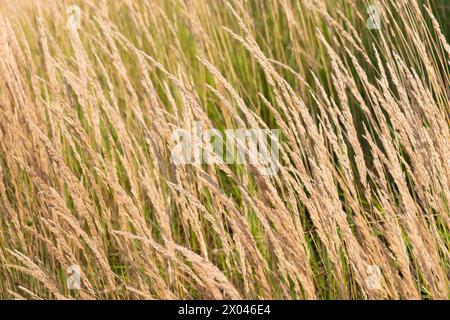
x=360 y=205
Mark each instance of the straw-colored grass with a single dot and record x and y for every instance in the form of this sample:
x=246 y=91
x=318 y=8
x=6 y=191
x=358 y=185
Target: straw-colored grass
x=86 y=119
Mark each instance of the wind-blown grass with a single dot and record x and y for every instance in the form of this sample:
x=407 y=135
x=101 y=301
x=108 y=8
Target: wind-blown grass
x=85 y=142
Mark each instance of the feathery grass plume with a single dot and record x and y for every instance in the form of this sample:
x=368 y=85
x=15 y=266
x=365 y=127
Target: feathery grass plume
x=358 y=209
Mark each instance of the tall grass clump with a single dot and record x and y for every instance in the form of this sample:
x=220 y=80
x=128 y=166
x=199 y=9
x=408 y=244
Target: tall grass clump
x=87 y=115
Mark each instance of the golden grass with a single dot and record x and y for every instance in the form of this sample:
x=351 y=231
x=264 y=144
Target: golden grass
x=85 y=141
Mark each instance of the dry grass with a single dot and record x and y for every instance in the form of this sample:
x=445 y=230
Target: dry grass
x=85 y=140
